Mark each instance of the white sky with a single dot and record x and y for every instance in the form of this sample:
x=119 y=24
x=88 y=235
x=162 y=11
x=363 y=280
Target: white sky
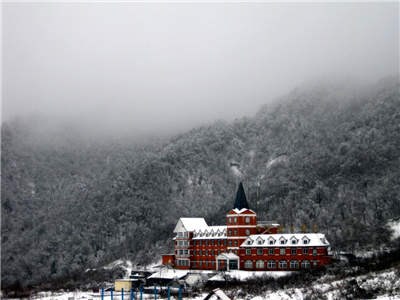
x=145 y=68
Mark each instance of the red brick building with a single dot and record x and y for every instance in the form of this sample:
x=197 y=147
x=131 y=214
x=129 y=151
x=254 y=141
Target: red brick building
x=244 y=243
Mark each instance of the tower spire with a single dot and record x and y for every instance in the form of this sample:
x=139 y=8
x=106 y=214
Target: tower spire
x=241 y=201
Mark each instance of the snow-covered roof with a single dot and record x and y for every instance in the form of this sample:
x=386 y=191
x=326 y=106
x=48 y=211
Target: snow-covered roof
x=286 y=240
x=167 y=273
x=211 y=232
x=246 y=275
x=228 y=255
x=190 y=224
x=239 y=211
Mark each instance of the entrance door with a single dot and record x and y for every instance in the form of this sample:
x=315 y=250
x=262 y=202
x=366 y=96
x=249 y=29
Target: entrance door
x=233 y=265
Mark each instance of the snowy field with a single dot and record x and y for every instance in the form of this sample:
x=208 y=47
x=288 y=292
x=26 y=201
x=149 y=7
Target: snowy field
x=388 y=282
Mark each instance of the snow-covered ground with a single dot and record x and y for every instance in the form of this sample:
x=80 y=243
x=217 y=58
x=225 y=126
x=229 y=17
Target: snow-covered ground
x=386 y=285
x=388 y=282
x=245 y=275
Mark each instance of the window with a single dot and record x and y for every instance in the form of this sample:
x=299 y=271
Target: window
x=259 y=251
x=260 y=264
x=247 y=232
x=248 y=251
x=247 y=220
x=249 y=242
x=293 y=251
x=206 y=253
x=234 y=220
x=282 y=251
x=235 y=243
x=271 y=264
x=314 y=252
x=282 y=264
x=271 y=241
x=206 y=243
x=294 y=241
x=229 y=232
x=182 y=262
x=305 y=250
x=219 y=242
x=200 y=243
x=315 y=263
x=230 y=243
x=282 y=241
x=194 y=243
x=235 y=232
x=248 y=264
x=305 y=264
x=271 y=251
x=294 y=264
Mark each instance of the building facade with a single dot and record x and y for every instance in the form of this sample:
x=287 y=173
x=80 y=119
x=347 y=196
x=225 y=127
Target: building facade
x=244 y=243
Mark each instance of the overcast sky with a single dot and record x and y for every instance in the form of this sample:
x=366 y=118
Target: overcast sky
x=149 y=68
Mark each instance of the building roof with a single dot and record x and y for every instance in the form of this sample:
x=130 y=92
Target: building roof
x=286 y=240
x=167 y=273
x=190 y=224
x=228 y=256
x=241 y=200
x=211 y=232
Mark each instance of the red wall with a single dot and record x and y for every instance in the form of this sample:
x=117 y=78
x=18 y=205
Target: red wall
x=321 y=257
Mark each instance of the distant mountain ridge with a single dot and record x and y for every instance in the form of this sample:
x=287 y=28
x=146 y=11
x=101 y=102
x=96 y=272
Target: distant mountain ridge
x=71 y=206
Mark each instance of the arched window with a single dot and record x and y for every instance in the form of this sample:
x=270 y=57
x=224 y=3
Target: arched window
x=294 y=264
x=282 y=264
x=247 y=220
x=305 y=264
x=248 y=264
x=271 y=264
x=260 y=264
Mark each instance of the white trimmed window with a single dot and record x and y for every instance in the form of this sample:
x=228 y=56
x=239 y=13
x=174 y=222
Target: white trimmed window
x=282 y=251
x=305 y=264
x=248 y=251
x=247 y=220
x=260 y=264
x=259 y=251
x=271 y=264
x=282 y=264
x=294 y=264
x=248 y=264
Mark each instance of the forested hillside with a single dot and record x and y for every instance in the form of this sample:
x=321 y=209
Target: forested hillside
x=326 y=156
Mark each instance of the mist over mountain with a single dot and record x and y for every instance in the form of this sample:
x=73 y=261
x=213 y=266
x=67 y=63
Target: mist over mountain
x=325 y=155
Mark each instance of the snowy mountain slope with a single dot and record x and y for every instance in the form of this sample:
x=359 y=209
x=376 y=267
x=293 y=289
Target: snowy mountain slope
x=73 y=205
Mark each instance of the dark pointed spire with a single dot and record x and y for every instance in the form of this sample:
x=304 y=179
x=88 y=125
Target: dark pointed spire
x=241 y=201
